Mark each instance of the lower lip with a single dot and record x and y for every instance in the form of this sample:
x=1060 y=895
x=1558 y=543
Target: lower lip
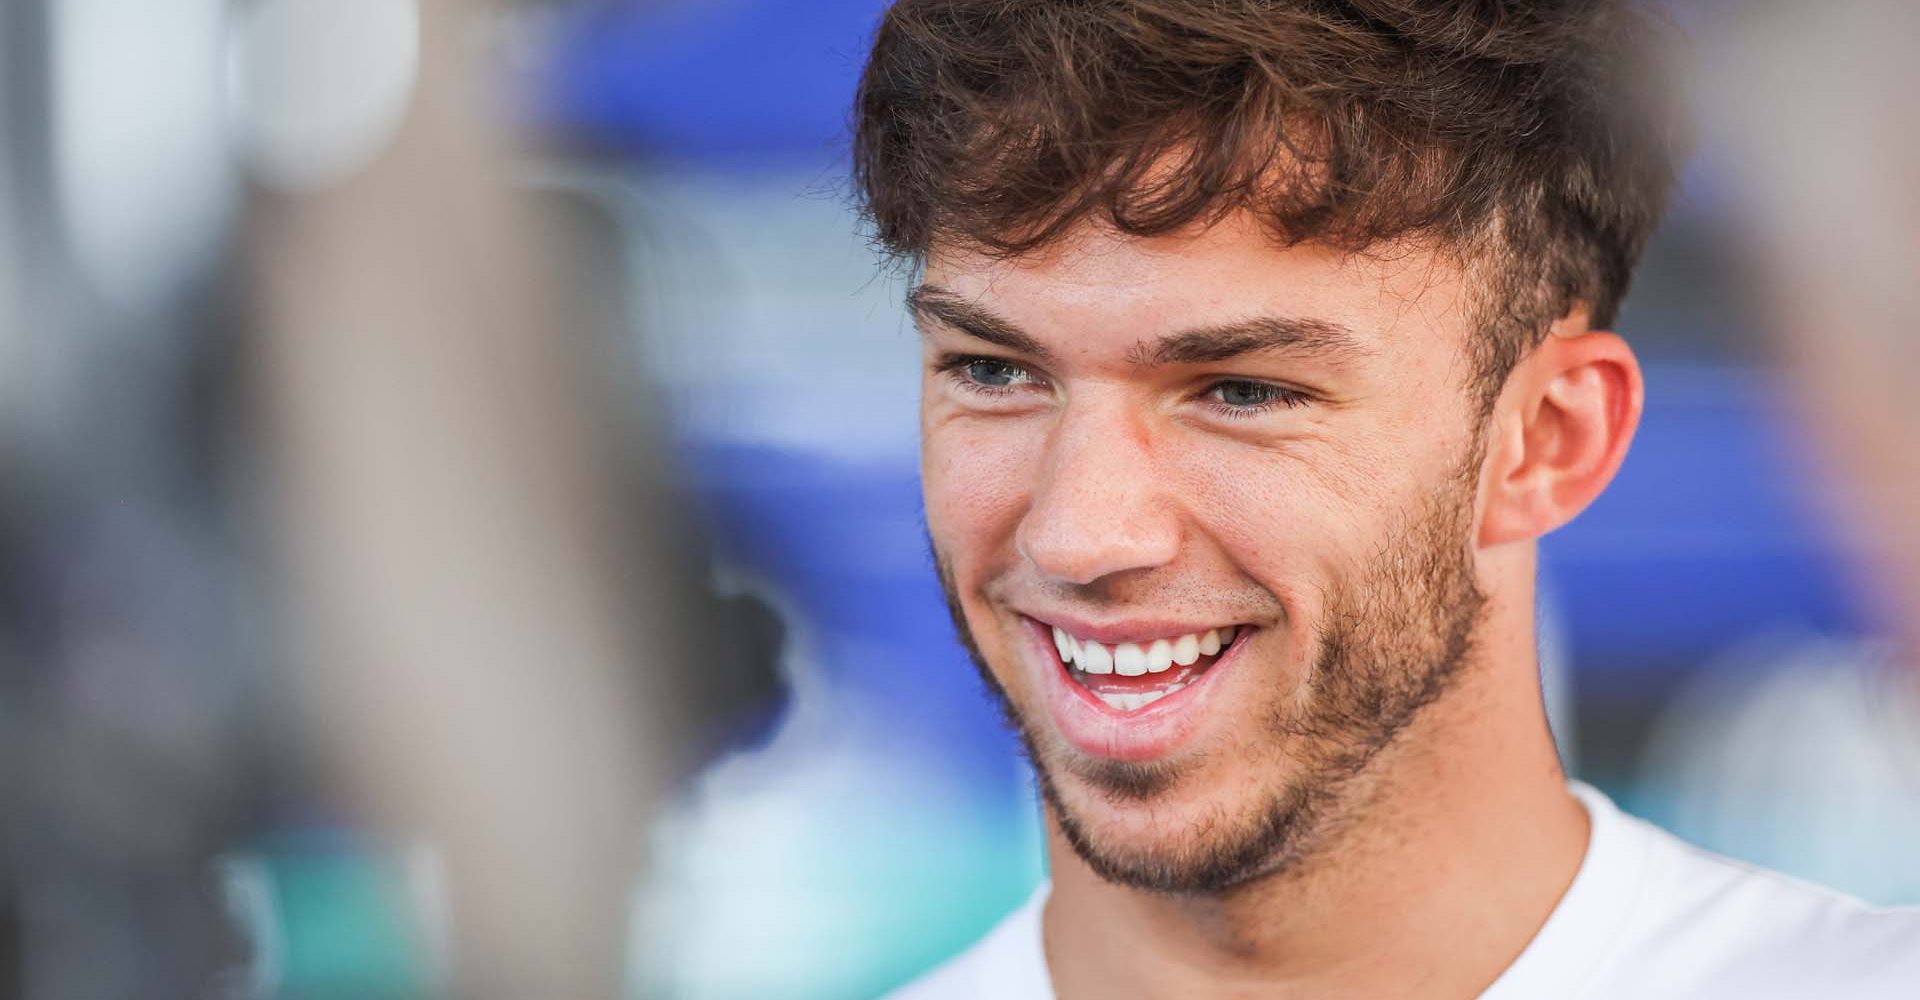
x=1094 y=727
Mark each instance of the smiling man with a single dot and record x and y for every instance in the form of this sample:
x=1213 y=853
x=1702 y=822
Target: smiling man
x=1263 y=341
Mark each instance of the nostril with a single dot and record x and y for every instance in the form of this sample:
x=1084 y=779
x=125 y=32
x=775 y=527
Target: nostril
x=1080 y=542
x=1099 y=506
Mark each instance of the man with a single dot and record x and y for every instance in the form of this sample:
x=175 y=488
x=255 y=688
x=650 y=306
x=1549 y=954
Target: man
x=1263 y=340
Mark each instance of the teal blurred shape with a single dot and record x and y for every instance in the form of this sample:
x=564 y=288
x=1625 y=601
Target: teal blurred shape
x=332 y=918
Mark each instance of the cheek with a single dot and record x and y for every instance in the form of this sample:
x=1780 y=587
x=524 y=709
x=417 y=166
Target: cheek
x=1297 y=521
x=1277 y=510
x=976 y=475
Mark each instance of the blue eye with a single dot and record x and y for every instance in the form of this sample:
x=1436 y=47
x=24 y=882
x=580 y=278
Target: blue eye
x=1241 y=397
x=1246 y=393
x=993 y=372
x=986 y=376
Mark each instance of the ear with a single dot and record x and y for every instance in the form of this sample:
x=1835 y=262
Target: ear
x=1559 y=431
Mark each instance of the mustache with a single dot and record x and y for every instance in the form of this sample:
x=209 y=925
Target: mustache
x=1185 y=596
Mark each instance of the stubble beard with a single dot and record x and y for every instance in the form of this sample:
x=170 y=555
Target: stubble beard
x=1391 y=643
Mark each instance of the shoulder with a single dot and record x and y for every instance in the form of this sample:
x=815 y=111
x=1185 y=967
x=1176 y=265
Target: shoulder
x=1710 y=926
x=1009 y=963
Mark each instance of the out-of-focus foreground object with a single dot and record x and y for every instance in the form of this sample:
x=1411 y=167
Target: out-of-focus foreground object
x=1816 y=106
x=1802 y=752
x=352 y=627
x=470 y=627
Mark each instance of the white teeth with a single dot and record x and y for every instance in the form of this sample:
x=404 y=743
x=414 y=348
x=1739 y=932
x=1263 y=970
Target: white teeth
x=1135 y=702
x=1132 y=659
x=1131 y=702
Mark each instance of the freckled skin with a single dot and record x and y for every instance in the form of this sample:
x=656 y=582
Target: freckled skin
x=1339 y=528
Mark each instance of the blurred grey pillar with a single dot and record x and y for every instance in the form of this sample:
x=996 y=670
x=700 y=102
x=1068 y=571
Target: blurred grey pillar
x=1815 y=105
x=12 y=778
x=471 y=614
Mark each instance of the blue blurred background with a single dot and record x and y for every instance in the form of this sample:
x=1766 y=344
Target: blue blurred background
x=1710 y=655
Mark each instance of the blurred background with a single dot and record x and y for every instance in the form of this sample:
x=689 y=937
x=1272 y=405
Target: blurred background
x=459 y=526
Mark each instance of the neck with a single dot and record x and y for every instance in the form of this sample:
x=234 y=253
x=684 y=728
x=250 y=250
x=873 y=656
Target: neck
x=1455 y=847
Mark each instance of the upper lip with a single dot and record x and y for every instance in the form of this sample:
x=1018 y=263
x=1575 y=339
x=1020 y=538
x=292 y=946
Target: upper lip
x=1130 y=629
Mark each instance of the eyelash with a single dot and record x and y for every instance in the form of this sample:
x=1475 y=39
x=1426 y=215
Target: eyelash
x=1282 y=397
x=954 y=367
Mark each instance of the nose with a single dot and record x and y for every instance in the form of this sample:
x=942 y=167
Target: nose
x=1100 y=507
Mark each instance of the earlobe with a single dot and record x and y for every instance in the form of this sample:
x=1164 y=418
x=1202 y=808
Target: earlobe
x=1561 y=431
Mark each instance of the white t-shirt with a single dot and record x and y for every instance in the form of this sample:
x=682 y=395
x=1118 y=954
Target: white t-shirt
x=1647 y=917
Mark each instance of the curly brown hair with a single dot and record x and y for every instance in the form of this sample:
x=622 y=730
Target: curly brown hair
x=1532 y=139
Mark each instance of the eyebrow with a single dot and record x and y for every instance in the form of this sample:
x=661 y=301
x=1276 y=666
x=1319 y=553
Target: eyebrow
x=1317 y=338
x=933 y=302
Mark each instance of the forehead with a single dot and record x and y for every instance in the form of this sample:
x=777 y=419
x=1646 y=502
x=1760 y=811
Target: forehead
x=1103 y=287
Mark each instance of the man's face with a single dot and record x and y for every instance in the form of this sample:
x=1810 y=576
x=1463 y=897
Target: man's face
x=1256 y=463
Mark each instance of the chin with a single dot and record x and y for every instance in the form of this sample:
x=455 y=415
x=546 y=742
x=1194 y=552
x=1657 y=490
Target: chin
x=1194 y=836
x=1214 y=818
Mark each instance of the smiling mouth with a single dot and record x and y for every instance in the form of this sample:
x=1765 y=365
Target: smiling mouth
x=1129 y=676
